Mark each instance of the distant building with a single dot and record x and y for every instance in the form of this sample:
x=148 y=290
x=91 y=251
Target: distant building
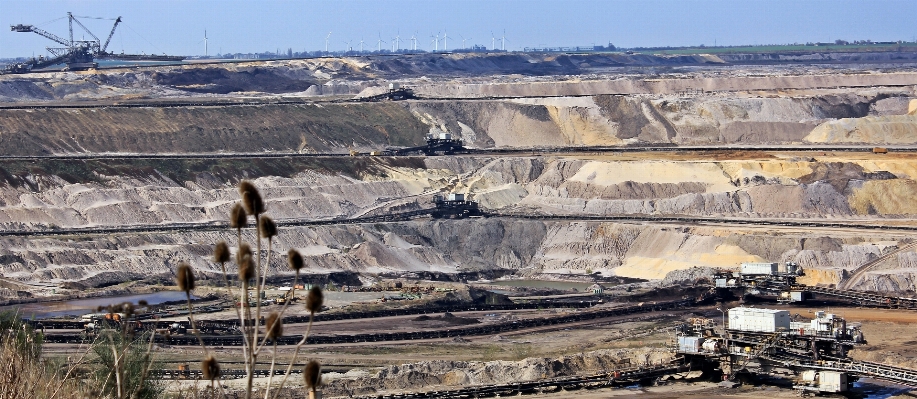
x=597 y=289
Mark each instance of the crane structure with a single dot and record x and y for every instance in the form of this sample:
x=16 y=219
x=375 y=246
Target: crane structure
x=77 y=54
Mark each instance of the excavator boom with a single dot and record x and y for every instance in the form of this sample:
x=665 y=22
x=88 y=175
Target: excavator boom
x=105 y=46
x=49 y=35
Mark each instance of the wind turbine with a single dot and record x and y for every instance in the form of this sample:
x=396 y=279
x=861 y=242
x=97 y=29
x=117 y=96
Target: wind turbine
x=445 y=37
x=398 y=40
x=463 y=42
x=204 y=41
x=361 y=44
x=414 y=42
x=503 y=41
x=435 y=42
x=493 y=41
x=326 y=41
x=380 y=42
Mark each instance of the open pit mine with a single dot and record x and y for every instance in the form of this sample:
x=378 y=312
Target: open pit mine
x=486 y=224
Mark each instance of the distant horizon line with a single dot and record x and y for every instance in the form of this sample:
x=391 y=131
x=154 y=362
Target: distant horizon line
x=540 y=49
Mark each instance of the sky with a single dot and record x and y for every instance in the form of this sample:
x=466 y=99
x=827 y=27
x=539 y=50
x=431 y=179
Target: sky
x=176 y=27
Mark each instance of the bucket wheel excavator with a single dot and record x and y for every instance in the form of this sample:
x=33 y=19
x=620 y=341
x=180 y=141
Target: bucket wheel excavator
x=77 y=54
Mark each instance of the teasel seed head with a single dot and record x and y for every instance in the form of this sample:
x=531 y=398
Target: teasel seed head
x=221 y=252
x=185 y=277
x=210 y=368
x=244 y=249
x=314 y=300
x=251 y=198
x=294 y=259
x=268 y=227
x=246 y=268
x=237 y=217
x=274 y=326
x=312 y=375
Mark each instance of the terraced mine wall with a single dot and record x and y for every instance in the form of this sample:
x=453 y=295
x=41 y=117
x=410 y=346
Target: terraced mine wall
x=208 y=129
x=117 y=192
x=532 y=122
x=529 y=247
x=661 y=84
x=76 y=193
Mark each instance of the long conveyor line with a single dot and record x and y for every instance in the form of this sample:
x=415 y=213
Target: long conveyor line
x=236 y=339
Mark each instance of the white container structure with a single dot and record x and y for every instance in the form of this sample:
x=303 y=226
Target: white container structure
x=756 y=268
x=759 y=320
x=690 y=344
x=832 y=381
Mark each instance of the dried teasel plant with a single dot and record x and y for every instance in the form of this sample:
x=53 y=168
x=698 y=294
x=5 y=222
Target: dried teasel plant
x=246 y=268
x=221 y=252
x=252 y=264
x=210 y=368
x=251 y=198
x=274 y=325
x=268 y=227
x=314 y=300
x=185 y=278
x=312 y=375
x=244 y=250
x=295 y=260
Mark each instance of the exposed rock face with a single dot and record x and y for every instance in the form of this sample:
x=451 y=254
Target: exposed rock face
x=642 y=251
x=702 y=107
x=74 y=193
x=424 y=375
x=303 y=128
x=892 y=129
x=536 y=122
x=116 y=193
x=683 y=84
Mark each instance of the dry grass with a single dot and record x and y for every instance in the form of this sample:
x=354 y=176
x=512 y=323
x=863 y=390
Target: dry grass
x=23 y=374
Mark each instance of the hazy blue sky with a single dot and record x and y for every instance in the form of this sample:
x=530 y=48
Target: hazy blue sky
x=177 y=26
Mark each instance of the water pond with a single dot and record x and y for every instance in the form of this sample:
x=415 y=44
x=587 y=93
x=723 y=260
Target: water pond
x=79 y=307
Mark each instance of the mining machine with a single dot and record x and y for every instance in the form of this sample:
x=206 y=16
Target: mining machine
x=77 y=54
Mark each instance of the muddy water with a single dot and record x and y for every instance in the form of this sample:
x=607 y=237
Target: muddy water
x=79 y=307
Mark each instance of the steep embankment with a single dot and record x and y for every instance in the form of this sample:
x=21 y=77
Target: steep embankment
x=615 y=120
x=74 y=193
x=113 y=193
x=306 y=128
x=673 y=84
x=306 y=77
x=453 y=75
x=534 y=122
x=633 y=250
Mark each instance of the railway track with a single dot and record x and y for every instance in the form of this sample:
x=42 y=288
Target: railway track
x=322 y=317
x=865 y=298
x=571 y=383
x=491 y=329
x=861 y=271
x=858 y=368
x=436 y=212
x=483 y=152
x=614 y=378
